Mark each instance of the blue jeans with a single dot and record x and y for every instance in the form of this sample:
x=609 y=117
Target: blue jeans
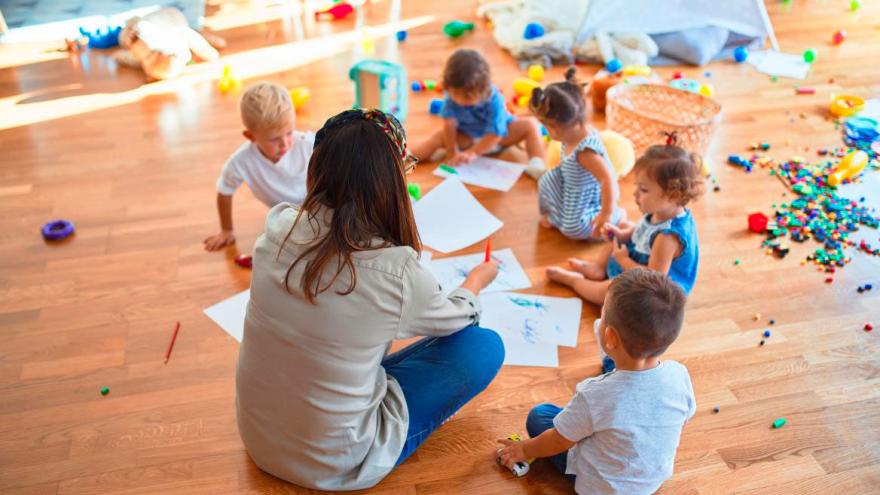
x=540 y=420
x=438 y=375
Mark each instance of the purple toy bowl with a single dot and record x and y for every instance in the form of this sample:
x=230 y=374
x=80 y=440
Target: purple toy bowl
x=57 y=230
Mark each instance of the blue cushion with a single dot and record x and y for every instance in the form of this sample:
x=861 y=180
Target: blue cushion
x=695 y=46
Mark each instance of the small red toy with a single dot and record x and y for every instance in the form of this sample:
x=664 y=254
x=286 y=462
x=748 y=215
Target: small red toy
x=678 y=75
x=244 y=260
x=868 y=327
x=838 y=37
x=758 y=222
x=336 y=12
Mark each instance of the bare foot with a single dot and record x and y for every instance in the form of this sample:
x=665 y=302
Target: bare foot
x=545 y=222
x=589 y=269
x=563 y=276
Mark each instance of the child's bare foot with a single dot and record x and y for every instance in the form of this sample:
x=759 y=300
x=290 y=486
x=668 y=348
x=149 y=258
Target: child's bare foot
x=563 y=276
x=588 y=269
x=545 y=222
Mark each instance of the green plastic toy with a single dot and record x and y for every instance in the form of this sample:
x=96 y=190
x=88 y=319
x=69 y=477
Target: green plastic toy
x=454 y=29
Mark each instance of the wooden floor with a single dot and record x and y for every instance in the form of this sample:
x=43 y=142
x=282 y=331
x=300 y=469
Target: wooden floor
x=134 y=166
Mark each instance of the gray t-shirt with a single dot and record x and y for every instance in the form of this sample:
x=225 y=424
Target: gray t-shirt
x=627 y=426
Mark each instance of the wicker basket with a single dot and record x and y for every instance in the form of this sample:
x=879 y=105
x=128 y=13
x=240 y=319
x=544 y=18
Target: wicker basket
x=642 y=112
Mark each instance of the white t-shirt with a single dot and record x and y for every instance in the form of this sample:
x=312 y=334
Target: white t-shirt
x=271 y=183
x=627 y=425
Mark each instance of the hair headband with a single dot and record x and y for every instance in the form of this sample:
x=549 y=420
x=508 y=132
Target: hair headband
x=385 y=121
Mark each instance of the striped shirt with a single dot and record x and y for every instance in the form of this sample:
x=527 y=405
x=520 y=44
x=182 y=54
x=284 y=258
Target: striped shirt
x=570 y=196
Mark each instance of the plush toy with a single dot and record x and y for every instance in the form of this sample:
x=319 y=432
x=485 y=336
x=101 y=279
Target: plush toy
x=162 y=43
x=628 y=48
x=620 y=151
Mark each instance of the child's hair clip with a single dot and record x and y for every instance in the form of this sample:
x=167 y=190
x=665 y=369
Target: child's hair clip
x=671 y=137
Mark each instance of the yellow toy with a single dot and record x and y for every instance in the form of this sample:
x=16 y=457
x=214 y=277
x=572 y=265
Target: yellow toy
x=523 y=86
x=851 y=166
x=636 y=70
x=536 y=73
x=620 y=151
x=707 y=90
x=846 y=105
x=228 y=82
x=523 y=101
x=299 y=96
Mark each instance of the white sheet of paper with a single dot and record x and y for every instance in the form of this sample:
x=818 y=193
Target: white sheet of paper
x=486 y=172
x=518 y=354
x=450 y=218
x=229 y=314
x=451 y=272
x=780 y=64
x=533 y=319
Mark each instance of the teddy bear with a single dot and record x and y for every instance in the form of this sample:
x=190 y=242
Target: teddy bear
x=161 y=43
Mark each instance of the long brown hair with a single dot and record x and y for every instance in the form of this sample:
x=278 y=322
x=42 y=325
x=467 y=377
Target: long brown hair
x=356 y=170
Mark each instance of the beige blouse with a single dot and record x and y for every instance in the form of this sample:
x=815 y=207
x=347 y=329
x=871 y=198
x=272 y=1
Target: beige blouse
x=315 y=406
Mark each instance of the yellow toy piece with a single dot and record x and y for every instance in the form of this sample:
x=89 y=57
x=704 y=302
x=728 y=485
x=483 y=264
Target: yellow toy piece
x=621 y=152
x=846 y=105
x=536 y=73
x=523 y=101
x=707 y=90
x=299 y=95
x=228 y=82
x=636 y=70
x=523 y=86
x=851 y=166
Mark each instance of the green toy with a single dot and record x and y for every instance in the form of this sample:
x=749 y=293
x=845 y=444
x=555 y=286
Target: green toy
x=454 y=29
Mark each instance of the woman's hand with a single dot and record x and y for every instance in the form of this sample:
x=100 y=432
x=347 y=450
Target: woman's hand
x=481 y=276
x=511 y=453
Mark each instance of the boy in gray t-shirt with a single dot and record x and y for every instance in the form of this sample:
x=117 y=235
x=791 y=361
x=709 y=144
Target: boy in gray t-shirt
x=620 y=431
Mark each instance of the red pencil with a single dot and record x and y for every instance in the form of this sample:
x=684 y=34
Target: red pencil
x=488 y=250
x=171 y=344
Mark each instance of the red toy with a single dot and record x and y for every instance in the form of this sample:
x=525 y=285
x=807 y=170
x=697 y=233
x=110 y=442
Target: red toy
x=336 y=12
x=838 y=37
x=758 y=222
x=244 y=260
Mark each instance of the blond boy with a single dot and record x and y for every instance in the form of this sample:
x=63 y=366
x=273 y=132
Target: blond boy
x=273 y=161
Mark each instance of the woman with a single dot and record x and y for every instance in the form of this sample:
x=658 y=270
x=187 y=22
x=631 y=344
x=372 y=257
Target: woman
x=319 y=403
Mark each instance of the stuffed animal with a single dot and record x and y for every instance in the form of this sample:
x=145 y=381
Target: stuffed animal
x=628 y=48
x=162 y=43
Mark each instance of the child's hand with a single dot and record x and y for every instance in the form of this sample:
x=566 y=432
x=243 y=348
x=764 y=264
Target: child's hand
x=512 y=453
x=610 y=231
x=218 y=241
x=599 y=225
x=619 y=251
x=462 y=157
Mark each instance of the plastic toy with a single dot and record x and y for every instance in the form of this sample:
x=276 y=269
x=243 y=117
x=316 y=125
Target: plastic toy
x=868 y=327
x=685 y=84
x=533 y=30
x=57 y=230
x=523 y=86
x=519 y=469
x=430 y=84
x=102 y=37
x=436 y=106
x=368 y=42
x=105 y=390
x=740 y=54
x=854 y=5
x=244 y=260
x=523 y=101
x=758 y=222
x=416 y=86
x=707 y=90
x=636 y=70
x=838 y=36
x=336 y=12
x=380 y=84
x=779 y=423
x=414 y=190
x=678 y=75
x=613 y=65
x=536 y=73
x=846 y=105
x=455 y=29
x=401 y=35
x=851 y=166
x=620 y=150
x=299 y=96
x=228 y=82
x=809 y=55
x=805 y=91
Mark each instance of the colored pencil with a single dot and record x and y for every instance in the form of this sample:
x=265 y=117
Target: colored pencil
x=488 y=250
x=171 y=343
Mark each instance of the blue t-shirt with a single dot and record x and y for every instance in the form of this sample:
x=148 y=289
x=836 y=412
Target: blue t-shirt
x=489 y=116
x=683 y=270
